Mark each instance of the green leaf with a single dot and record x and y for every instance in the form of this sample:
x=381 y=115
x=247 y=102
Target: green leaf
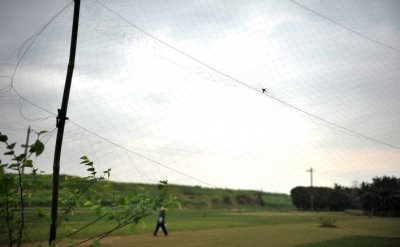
x=91 y=169
x=142 y=224
x=111 y=217
x=43 y=215
x=9 y=153
x=96 y=244
x=53 y=243
x=88 y=203
x=95 y=207
x=29 y=166
x=121 y=201
x=20 y=157
x=42 y=132
x=3 y=138
x=68 y=228
x=107 y=186
x=40 y=211
x=105 y=210
x=83 y=158
x=39 y=147
x=12 y=166
x=132 y=229
x=28 y=163
x=11 y=146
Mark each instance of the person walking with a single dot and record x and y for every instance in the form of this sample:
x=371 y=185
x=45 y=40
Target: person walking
x=161 y=223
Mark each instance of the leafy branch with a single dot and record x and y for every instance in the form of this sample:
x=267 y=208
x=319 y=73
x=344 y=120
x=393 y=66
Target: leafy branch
x=16 y=192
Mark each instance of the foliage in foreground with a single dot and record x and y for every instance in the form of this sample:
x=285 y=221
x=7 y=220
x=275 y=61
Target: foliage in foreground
x=17 y=191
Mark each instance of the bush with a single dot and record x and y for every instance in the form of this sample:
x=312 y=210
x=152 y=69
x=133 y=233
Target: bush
x=327 y=221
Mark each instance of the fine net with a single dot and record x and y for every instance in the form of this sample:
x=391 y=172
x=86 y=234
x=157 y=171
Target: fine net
x=226 y=94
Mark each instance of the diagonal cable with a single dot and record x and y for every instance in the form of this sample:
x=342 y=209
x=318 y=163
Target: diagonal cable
x=249 y=86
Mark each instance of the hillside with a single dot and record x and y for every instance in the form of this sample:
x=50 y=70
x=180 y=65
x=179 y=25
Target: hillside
x=188 y=196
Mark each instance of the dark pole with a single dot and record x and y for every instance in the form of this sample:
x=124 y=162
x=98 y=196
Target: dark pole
x=62 y=116
x=26 y=147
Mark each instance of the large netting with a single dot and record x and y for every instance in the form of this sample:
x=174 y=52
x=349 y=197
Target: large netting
x=230 y=94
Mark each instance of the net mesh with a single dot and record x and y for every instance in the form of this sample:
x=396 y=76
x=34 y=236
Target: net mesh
x=231 y=94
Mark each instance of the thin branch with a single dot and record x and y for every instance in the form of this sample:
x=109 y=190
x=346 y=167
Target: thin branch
x=7 y=210
x=91 y=223
x=62 y=217
x=22 y=204
x=105 y=234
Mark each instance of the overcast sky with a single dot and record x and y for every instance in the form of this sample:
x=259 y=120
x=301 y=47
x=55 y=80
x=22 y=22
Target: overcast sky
x=174 y=89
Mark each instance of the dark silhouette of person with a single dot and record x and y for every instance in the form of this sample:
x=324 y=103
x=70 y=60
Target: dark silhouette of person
x=161 y=223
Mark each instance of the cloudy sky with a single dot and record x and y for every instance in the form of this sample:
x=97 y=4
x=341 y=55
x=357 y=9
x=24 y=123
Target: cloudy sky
x=174 y=89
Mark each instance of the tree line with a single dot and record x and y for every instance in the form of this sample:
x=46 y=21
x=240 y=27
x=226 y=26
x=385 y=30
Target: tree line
x=380 y=197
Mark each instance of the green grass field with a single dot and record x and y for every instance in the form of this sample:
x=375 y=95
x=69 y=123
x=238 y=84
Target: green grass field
x=249 y=228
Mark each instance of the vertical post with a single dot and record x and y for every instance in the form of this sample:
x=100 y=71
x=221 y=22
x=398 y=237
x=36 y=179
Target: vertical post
x=21 y=206
x=311 y=170
x=26 y=147
x=62 y=116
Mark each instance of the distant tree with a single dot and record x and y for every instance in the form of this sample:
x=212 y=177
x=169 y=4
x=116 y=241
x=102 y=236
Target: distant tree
x=250 y=199
x=325 y=198
x=389 y=190
x=227 y=200
x=260 y=200
x=339 y=200
x=301 y=197
x=243 y=199
x=382 y=196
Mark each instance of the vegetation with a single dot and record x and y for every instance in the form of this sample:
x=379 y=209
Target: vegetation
x=93 y=207
x=327 y=221
x=18 y=191
x=223 y=227
x=189 y=196
x=324 y=198
x=381 y=197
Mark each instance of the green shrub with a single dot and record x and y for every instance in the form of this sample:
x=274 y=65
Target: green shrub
x=327 y=221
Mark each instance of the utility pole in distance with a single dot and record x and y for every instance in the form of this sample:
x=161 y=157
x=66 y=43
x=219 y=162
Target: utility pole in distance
x=311 y=170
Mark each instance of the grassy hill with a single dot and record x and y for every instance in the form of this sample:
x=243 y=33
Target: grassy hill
x=189 y=196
